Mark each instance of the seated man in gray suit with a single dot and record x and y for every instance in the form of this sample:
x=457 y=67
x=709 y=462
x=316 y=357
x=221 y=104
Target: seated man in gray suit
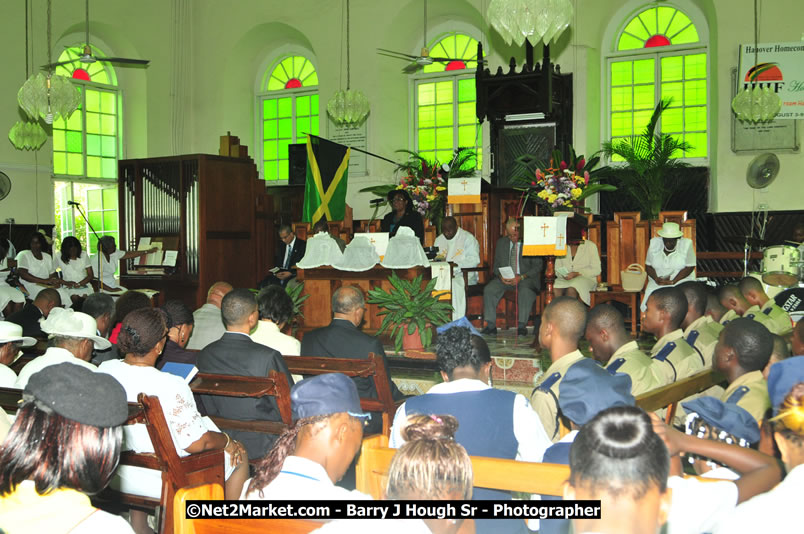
x=236 y=354
x=207 y=319
x=527 y=280
x=343 y=339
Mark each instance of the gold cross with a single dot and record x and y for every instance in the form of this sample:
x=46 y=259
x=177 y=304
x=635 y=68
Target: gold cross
x=371 y=240
x=560 y=240
x=545 y=228
x=464 y=185
x=457 y=253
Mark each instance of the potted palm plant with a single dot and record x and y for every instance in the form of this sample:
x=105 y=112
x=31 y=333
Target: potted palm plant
x=650 y=165
x=410 y=311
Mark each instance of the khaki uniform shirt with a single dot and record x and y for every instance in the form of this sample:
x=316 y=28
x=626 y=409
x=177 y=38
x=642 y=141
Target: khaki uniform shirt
x=544 y=399
x=630 y=360
x=756 y=314
x=781 y=320
x=674 y=359
x=703 y=334
x=728 y=316
x=750 y=392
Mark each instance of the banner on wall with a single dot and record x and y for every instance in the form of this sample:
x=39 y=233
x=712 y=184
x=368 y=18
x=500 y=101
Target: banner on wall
x=463 y=190
x=778 y=66
x=545 y=236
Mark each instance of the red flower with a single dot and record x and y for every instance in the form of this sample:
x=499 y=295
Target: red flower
x=581 y=164
x=563 y=165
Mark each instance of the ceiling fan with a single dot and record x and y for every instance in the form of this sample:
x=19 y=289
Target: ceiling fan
x=87 y=57
x=423 y=59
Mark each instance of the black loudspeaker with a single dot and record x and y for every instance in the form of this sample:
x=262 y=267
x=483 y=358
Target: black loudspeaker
x=519 y=147
x=297 y=161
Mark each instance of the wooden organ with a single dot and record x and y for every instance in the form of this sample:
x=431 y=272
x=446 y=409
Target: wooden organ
x=208 y=209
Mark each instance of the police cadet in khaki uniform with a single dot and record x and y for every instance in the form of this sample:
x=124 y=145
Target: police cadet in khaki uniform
x=732 y=298
x=563 y=324
x=673 y=357
x=741 y=354
x=700 y=330
x=611 y=346
x=754 y=293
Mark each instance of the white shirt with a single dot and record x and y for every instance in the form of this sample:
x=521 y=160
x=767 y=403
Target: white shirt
x=302 y=479
x=39 y=268
x=288 y=252
x=52 y=356
x=669 y=265
x=268 y=334
x=178 y=405
x=7 y=377
x=462 y=250
x=528 y=428
x=109 y=267
x=74 y=270
x=699 y=506
x=777 y=511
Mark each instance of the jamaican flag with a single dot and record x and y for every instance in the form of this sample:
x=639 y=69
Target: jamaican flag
x=325 y=188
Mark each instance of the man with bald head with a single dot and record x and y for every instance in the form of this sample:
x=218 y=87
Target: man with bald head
x=527 y=280
x=208 y=321
x=458 y=246
x=753 y=291
x=700 y=330
x=563 y=324
x=343 y=339
x=733 y=300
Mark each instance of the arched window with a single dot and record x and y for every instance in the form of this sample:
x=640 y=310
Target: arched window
x=444 y=101
x=86 y=148
x=288 y=108
x=658 y=54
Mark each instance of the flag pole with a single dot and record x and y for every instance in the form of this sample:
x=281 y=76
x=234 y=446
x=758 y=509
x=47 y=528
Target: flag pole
x=355 y=148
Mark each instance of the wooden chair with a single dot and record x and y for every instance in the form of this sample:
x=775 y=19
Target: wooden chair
x=185 y=525
x=274 y=385
x=670 y=395
x=492 y=473
x=371 y=367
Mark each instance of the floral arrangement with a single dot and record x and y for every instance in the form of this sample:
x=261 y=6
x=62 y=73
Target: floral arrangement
x=562 y=187
x=426 y=181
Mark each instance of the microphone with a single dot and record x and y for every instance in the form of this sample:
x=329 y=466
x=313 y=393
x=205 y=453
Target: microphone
x=73 y=203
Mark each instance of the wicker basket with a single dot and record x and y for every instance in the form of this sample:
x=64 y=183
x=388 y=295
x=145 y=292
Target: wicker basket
x=633 y=277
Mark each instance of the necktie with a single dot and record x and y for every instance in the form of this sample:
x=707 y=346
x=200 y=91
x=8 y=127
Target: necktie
x=512 y=257
x=287 y=256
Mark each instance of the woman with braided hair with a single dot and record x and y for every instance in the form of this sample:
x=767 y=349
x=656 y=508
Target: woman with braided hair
x=143 y=335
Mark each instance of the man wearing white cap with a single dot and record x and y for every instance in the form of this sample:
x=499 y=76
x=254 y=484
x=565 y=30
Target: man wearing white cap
x=11 y=339
x=72 y=337
x=670 y=260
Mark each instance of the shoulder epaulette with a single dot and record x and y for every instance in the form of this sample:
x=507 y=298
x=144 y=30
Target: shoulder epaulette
x=693 y=337
x=665 y=352
x=768 y=311
x=737 y=394
x=615 y=365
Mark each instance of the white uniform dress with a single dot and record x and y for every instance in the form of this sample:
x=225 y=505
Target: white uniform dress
x=109 y=268
x=464 y=251
x=73 y=271
x=668 y=265
x=39 y=268
x=586 y=262
x=8 y=293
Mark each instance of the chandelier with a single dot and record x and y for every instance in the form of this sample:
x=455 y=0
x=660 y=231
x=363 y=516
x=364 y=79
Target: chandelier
x=755 y=104
x=347 y=107
x=27 y=135
x=534 y=20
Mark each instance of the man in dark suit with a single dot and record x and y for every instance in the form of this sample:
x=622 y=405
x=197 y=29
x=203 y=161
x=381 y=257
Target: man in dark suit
x=288 y=254
x=236 y=354
x=527 y=280
x=343 y=339
x=28 y=317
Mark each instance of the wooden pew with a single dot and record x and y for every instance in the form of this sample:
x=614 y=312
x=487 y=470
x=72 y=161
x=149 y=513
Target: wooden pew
x=670 y=395
x=373 y=367
x=184 y=525
x=492 y=473
x=274 y=385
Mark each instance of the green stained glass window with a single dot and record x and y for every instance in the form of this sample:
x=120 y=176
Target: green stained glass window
x=289 y=111
x=650 y=73
x=444 y=94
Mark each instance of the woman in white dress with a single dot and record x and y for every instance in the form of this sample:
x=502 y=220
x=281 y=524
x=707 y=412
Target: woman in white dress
x=577 y=272
x=76 y=272
x=35 y=267
x=108 y=260
x=670 y=260
x=11 y=298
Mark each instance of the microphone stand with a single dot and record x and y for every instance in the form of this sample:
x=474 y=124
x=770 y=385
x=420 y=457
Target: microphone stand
x=100 y=263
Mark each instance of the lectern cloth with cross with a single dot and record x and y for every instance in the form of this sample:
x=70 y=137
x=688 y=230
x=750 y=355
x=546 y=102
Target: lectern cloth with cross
x=545 y=236
x=465 y=190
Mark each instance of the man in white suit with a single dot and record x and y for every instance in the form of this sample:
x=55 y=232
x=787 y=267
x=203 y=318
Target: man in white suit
x=458 y=246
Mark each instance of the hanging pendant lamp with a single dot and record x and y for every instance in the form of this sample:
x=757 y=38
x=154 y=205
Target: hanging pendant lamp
x=347 y=107
x=534 y=20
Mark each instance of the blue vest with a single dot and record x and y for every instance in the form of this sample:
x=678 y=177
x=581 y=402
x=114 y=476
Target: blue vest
x=486 y=428
x=557 y=453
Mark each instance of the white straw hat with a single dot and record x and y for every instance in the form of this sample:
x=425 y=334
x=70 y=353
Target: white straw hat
x=67 y=322
x=10 y=332
x=670 y=230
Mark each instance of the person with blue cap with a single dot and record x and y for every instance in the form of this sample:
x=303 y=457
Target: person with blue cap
x=315 y=452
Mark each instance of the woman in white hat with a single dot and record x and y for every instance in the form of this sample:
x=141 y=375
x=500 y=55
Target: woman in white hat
x=670 y=259
x=11 y=340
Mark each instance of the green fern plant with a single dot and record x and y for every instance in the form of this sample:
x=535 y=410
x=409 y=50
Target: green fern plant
x=408 y=306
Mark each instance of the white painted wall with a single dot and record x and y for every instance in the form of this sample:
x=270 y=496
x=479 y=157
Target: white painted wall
x=194 y=92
